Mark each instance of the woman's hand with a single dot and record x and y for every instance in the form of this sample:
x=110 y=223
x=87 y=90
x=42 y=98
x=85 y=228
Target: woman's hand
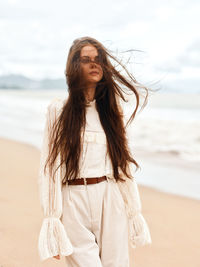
x=57 y=257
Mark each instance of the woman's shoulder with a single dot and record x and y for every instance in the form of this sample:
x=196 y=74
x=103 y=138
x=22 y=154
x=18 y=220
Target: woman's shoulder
x=57 y=103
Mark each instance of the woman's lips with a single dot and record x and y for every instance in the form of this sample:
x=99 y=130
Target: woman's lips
x=94 y=73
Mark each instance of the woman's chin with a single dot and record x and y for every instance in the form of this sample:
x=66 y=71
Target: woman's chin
x=94 y=80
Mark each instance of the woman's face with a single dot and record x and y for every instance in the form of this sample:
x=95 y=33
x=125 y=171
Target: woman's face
x=91 y=70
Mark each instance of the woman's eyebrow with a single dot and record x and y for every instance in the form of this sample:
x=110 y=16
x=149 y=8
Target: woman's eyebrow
x=89 y=57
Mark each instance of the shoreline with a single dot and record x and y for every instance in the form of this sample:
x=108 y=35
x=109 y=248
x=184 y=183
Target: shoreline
x=148 y=160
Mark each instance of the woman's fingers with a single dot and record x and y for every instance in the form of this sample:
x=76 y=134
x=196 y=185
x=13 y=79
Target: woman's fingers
x=57 y=257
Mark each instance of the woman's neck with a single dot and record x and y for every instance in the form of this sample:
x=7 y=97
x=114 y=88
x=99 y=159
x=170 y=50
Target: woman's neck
x=90 y=93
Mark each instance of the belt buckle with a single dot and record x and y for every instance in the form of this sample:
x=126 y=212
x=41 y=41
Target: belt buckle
x=85 y=181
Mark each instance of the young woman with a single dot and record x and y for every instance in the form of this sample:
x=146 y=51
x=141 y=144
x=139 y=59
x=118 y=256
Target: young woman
x=89 y=196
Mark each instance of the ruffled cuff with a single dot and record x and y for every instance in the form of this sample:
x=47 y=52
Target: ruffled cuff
x=140 y=234
x=53 y=239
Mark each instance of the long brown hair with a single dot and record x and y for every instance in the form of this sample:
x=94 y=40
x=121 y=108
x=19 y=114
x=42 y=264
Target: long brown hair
x=66 y=133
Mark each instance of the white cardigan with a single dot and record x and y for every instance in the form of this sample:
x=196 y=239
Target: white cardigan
x=53 y=238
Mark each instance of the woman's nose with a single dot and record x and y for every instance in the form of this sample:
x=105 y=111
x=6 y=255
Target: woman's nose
x=93 y=65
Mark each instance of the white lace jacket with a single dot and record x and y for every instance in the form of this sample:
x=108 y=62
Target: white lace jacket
x=53 y=238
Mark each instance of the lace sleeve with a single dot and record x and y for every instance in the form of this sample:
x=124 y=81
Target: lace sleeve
x=138 y=229
x=53 y=239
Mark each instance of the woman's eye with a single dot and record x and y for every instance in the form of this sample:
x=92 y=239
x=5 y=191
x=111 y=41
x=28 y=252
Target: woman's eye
x=85 y=60
x=97 y=59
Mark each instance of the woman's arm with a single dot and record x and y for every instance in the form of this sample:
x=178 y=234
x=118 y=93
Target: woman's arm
x=138 y=229
x=53 y=239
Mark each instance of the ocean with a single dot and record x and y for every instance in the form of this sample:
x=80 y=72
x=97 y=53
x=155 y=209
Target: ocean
x=169 y=123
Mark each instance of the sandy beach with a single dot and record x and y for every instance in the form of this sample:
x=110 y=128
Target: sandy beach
x=173 y=220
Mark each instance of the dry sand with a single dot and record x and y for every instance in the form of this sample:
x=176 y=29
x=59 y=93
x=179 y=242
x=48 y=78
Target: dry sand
x=174 y=221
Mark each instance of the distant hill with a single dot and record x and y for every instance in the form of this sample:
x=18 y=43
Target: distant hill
x=14 y=81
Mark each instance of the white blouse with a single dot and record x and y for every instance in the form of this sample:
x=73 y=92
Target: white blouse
x=94 y=161
x=94 y=151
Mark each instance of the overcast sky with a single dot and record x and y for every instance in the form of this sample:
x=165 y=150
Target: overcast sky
x=36 y=36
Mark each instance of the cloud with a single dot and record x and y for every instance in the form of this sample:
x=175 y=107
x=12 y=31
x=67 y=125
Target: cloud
x=169 y=67
x=36 y=35
x=191 y=57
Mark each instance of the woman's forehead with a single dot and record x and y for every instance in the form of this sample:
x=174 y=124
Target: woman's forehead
x=89 y=50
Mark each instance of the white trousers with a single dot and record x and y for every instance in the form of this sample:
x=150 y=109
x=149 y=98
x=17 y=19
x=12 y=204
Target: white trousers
x=95 y=220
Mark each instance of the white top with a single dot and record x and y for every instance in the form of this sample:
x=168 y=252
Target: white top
x=94 y=156
x=53 y=238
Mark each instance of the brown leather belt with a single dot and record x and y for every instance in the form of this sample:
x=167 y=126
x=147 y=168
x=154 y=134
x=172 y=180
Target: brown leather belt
x=92 y=180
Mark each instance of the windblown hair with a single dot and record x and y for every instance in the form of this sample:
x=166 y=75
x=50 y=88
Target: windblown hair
x=66 y=136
